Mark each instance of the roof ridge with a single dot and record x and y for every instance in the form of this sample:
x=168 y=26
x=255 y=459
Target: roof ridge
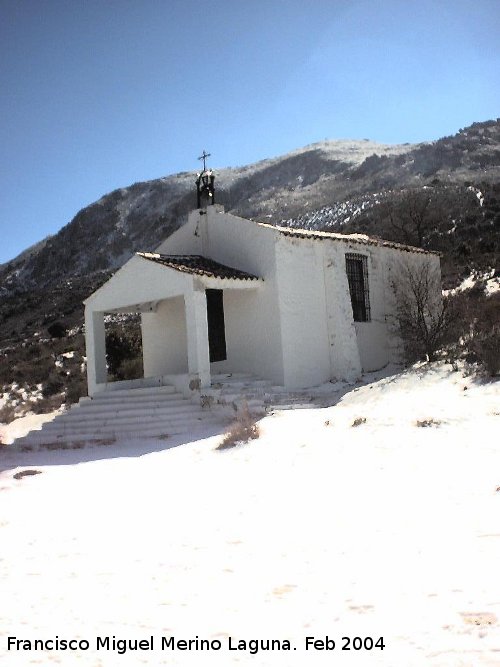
x=363 y=239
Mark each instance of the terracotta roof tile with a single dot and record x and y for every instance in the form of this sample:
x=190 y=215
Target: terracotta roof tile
x=198 y=265
x=349 y=238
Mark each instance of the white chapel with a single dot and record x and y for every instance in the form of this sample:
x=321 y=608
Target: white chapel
x=224 y=294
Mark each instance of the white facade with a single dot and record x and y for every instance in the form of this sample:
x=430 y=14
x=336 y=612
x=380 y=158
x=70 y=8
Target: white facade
x=290 y=321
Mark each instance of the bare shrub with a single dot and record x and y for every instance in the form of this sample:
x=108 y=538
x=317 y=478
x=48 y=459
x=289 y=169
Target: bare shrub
x=7 y=414
x=424 y=316
x=130 y=369
x=206 y=401
x=476 y=333
x=243 y=429
x=76 y=388
x=45 y=405
x=358 y=421
x=57 y=330
x=53 y=385
x=425 y=423
x=487 y=350
x=484 y=341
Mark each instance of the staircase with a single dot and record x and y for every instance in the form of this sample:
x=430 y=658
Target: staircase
x=160 y=412
x=261 y=396
x=155 y=412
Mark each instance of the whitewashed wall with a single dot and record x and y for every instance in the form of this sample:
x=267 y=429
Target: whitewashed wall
x=139 y=281
x=344 y=350
x=252 y=318
x=303 y=312
x=164 y=339
x=186 y=240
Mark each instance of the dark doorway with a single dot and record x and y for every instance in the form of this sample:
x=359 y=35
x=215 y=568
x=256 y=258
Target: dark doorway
x=216 y=329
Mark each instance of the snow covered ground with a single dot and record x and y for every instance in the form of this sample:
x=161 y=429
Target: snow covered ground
x=318 y=528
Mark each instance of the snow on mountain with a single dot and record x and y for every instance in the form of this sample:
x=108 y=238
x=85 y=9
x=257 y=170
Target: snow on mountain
x=323 y=185
x=336 y=215
x=325 y=174
x=317 y=529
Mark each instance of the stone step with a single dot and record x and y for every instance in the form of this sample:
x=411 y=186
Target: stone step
x=136 y=400
x=229 y=394
x=97 y=412
x=122 y=421
x=240 y=401
x=161 y=410
x=227 y=377
x=149 y=429
x=258 y=394
x=139 y=412
x=241 y=386
x=131 y=394
x=288 y=398
x=239 y=383
x=136 y=425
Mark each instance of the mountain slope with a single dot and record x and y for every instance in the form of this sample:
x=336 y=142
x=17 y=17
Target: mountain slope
x=103 y=235
x=344 y=176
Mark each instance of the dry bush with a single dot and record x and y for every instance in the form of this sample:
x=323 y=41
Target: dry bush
x=124 y=349
x=75 y=389
x=476 y=334
x=424 y=317
x=130 y=369
x=358 y=421
x=243 y=429
x=7 y=414
x=45 y=405
x=486 y=347
x=52 y=385
x=484 y=342
x=425 y=423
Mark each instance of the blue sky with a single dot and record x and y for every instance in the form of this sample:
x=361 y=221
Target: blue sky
x=98 y=94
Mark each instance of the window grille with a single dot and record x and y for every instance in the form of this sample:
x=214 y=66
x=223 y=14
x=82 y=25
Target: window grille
x=357 y=277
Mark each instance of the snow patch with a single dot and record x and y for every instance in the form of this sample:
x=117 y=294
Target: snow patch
x=487 y=278
x=317 y=528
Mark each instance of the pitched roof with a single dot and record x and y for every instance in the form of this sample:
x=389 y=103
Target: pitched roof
x=350 y=238
x=198 y=265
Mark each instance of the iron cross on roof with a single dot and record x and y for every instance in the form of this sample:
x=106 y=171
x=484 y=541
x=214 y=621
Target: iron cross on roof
x=204 y=158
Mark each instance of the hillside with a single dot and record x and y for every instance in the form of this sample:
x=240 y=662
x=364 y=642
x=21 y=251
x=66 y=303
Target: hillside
x=328 y=174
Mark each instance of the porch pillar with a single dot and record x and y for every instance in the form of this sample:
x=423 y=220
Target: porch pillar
x=197 y=336
x=95 y=342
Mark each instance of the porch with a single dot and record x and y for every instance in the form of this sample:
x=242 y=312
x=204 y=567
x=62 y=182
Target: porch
x=183 y=320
